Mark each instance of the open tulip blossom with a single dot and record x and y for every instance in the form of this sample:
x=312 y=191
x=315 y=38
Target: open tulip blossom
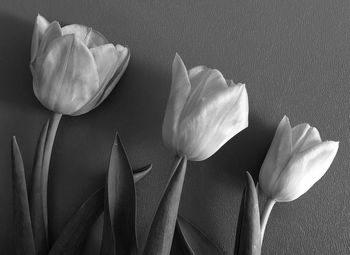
x=74 y=67
x=204 y=111
x=296 y=160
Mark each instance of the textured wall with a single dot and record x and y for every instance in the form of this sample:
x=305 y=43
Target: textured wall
x=294 y=57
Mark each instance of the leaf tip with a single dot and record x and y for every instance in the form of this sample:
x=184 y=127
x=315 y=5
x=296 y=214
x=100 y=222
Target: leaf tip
x=117 y=140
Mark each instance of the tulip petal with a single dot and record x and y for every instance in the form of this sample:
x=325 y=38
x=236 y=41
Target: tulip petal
x=304 y=170
x=71 y=67
x=90 y=37
x=304 y=137
x=105 y=57
x=212 y=123
x=179 y=91
x=52 y=32
x=123 y=57
x=40 y=26
x=206 y=84
x=277 y=157
x=298 y=133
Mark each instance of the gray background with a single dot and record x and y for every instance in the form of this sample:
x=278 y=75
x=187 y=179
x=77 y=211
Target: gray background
x=294 y=57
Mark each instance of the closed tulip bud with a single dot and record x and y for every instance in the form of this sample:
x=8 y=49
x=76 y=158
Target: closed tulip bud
x=204 y=111
x=296 y=160
x=74 y=67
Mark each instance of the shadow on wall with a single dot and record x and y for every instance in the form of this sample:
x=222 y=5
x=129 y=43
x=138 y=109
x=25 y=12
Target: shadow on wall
x=222 y=178
x=16 y=94
x=16 y=79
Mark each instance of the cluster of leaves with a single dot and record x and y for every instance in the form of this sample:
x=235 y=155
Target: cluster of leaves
x=116 y=199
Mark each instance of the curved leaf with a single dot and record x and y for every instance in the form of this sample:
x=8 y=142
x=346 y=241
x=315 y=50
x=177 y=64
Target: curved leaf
x=192 y=240
x=141 y=172
x=119 y=230
x=248 y=240
x=38 y=196
x=72 y=238
x=23 y=235
x=35 y=198
x=162 y=229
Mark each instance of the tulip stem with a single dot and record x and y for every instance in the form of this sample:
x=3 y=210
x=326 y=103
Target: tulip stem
x=51 y=133
x=265 y=215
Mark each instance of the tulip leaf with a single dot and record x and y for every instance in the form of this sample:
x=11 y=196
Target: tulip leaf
x=35 y=198
x=40 y=174
x=72 y=238
x=163 y=226
x=119 y=230
x=23 y=235
x=193 y=240
x=141 y=172
x=239 y=223
x=248 y=241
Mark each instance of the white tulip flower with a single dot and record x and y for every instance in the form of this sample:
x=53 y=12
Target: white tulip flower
x=296 y=160
x=204 y=111
x=74 y=67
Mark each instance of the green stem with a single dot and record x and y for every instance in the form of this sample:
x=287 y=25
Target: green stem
x=51 y=134
x=38 y=194
x=265 y=215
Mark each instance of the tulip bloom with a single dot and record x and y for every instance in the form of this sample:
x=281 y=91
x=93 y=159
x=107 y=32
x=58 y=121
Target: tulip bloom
x=296 y=160
x=204 y=111
x=74 y=67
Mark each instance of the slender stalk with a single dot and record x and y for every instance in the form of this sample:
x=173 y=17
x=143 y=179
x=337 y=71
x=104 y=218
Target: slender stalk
x=265 y=215
x=38 y=194
x=51 y=134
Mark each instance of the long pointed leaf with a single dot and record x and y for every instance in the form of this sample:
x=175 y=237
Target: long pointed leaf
x=239 y=223
x=249 y=222
x=22 y=225
x=119 y=235
x=72 y=238
x=180 y=244
x=162 y=229
x=35 y=198
x=38 y=196
x=193 y=240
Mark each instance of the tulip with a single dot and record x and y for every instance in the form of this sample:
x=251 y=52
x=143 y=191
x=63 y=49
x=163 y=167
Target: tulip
x=74 y=68
x=204 y=111
x=296 y=160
